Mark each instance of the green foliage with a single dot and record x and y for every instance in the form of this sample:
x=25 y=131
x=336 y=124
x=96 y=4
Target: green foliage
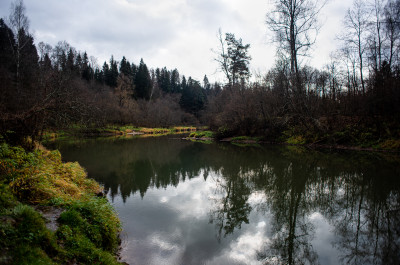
x=245 y=138
x=89 y=231
x=7 y=199
x=390 y=144
x=223 y=132
x=41 y=176
x=296 y=139
x=193 y=97
x=202 y=134
x=26 y=238
x=238 y=59
x=96 y=219
x=142 y=82
x=89 y=227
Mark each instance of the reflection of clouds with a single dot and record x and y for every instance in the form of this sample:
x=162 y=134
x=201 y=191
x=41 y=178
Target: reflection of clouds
x=244 y=249
x=163 y=199
x=190 y=198
x=327 y=254
x=167 y=248
x=256 y=198
x=171 y=226
x=284 y=201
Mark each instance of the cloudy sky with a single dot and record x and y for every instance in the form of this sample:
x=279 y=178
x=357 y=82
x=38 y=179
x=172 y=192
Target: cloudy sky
x=175 y=33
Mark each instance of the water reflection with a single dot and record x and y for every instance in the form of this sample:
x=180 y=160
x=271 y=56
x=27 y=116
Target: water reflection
x=208 y=203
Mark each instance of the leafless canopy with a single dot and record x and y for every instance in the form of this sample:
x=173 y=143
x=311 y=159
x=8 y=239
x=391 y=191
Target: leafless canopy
x=295 y=26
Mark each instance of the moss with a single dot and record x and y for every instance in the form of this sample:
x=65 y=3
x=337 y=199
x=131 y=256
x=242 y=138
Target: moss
x=202 y=134
x=41 y=176
x=296 y=139
x=97 y=218
x=89 y=226
x=89 y=231
x=26 y=238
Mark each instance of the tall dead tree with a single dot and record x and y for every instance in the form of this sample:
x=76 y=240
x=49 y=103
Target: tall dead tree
x=295 y=26
x=356 y=29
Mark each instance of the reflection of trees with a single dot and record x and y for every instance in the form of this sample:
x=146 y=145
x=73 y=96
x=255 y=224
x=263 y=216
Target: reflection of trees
x=357 y=194
x=367 y=222
x=234 y=184
x=231 y=206
x=290 y=201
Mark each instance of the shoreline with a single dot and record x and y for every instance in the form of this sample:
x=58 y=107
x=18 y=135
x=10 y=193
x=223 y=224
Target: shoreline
x=202 y=135
x=52 y=212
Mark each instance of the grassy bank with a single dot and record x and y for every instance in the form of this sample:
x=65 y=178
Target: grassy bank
x=342 y=132
x=31 y=184
x=114 y=130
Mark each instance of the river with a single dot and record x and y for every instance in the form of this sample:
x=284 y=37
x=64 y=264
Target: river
x=182 y=202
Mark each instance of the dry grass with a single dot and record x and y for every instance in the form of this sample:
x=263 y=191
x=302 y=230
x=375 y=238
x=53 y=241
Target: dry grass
x=47 y=178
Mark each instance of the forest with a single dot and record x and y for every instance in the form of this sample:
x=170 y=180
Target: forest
x=353 y=100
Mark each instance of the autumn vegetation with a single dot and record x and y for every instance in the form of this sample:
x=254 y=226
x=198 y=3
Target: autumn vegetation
x=33 y=182
x=353 y=100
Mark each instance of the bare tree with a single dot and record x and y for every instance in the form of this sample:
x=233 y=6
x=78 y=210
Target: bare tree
x=356 y=28
x=392 y=28
x=222 y=57
x=20 y=25
x=377 y=36
x=295 y=25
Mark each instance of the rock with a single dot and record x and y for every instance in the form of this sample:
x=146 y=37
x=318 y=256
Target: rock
x=50 y=214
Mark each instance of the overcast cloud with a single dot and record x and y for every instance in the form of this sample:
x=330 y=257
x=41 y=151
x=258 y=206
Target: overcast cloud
x=175 y=33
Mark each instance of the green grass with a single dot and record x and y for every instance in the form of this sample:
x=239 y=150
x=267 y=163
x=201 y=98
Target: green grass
x=245 y=138
x=202 y=134
x=89 y=226
x=296 y=140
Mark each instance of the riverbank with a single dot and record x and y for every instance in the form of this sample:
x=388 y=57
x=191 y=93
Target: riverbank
x=339 y=132
x=52 y=213
x=118 y=131
x=343 y=140
x=349 y=135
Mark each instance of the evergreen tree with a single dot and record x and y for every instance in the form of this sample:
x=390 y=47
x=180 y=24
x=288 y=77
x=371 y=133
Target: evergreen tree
x=183 y=83
x=175 y=82
x=70 y=64
x=206 y=83
x=7 y=64
x=125 y=67
x=113 y=73
x=165 y=81
x=98 y=75
x=193 y=98
x=87 y=71
x=143 y=82
x=6 y=47
x=134 y=70
x=29 y=62
x=105 y=73
x=239 y=59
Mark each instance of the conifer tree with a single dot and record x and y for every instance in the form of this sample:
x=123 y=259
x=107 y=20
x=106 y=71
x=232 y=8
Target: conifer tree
x=143 y=82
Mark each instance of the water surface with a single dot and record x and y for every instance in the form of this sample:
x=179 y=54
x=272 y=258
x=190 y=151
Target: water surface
x=191 y=203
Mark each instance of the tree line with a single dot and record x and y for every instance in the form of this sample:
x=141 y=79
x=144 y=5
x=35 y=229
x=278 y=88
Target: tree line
x=355 y=95
x=45 y=87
